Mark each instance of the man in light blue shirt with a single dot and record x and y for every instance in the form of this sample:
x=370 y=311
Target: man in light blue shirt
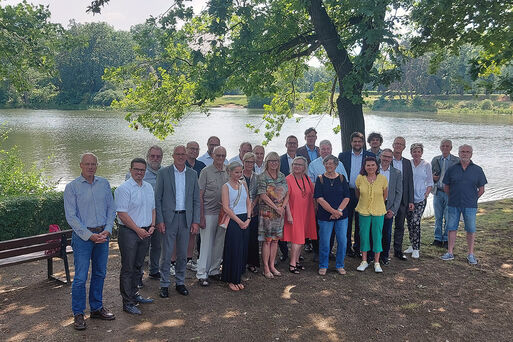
x=317 y=168
x=89 y=209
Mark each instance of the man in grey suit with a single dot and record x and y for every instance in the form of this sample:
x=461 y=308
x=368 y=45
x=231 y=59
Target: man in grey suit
x=178 y=214
x=403 y=165
x=439 y=165
x=393 y=202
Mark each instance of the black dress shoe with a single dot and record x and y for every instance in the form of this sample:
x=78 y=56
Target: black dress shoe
x=400 y=256
x=154 y=275
x=436 y=243
x=164 y=292
x=103 y=314
x=383 y=261
x=445 y=244
x=142 y=300
x=79 y=322
x=350 y=253
x=181 y=289
x=131 y=309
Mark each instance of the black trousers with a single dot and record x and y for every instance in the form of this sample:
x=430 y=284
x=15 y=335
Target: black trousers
x=132 y=250
x=399 y=228
x=253 y=251
x=353 y=216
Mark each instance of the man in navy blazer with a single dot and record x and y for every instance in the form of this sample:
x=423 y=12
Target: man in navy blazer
x=309 y=151
x=353 y=161
x=177 y=204
x=403 y=165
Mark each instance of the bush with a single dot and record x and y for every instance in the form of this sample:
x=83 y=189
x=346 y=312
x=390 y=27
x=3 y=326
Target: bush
x=486 y=104
x=31 y=215
x=255 y=101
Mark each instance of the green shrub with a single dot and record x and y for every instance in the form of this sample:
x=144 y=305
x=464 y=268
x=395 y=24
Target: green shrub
x=486 y=104
x=31 y=215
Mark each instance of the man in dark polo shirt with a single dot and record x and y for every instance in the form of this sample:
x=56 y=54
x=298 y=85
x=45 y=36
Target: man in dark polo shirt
x=464 y=184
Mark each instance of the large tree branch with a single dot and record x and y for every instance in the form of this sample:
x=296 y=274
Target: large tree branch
x=304 y=38
x=329 y=38
x=306 y=52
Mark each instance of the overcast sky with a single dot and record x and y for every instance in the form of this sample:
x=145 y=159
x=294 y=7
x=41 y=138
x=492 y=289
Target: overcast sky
x=121 y=14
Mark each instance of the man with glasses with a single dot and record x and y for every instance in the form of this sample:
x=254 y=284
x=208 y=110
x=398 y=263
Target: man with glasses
x=211 y=180
x=178 y=215
x=464 y=184
x=135 y=205
x=90 y=212
x=309 y=151
x=404 y=165
x=208 y=157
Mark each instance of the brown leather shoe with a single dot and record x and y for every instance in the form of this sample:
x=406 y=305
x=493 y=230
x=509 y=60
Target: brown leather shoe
x=103 y=314
x=79 y=323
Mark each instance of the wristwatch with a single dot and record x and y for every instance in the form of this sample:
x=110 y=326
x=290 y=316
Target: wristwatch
x=341 y=210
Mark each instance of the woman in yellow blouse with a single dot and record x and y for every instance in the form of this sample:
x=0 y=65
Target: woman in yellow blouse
x=371 y=191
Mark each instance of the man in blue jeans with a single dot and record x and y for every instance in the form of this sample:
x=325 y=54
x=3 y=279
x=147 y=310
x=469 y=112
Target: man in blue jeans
x=89 y=209
x=439 y=166
x=464 y=184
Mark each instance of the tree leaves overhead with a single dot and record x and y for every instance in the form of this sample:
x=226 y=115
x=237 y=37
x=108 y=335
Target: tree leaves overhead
x=27 y=41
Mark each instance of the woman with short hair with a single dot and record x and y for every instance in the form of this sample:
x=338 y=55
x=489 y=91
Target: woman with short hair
x=300 y=223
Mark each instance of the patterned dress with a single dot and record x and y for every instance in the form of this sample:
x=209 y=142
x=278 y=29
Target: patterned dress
x=270 y=223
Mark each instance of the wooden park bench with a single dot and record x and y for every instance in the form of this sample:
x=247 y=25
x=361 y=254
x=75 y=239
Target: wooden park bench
x=44 y=246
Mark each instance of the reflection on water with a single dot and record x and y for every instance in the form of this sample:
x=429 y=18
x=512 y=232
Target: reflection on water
x=67 y=134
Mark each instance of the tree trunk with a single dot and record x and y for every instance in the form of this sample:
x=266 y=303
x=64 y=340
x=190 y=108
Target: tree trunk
x=351 y=120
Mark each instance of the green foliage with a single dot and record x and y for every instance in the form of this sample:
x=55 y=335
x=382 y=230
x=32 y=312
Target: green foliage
x=16 y=178
x=29 y=215
x=487 y=104
x=257 y=101
x=27 y=42
x=90 y=49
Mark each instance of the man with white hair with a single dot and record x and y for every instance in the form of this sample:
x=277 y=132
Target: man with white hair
x=464 y=184
x=90 y=212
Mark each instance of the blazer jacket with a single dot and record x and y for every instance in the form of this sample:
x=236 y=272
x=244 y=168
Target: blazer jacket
x=284 y=165
x=165 y=196
x=303 y=152
x=345 y=158
x=407 y=182
x=395 y=190
x=436 y=167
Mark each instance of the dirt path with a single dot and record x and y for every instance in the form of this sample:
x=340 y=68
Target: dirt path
x=422 y=300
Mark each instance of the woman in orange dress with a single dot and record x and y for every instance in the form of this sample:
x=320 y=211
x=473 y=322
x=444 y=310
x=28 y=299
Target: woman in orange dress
x=300 y=223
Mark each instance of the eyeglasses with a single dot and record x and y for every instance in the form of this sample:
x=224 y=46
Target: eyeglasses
x=298 y=164
x=220 y=155
x=138 y=170
x=273 y=160
x=156 y=156
x=249 y=161
x=90 y=164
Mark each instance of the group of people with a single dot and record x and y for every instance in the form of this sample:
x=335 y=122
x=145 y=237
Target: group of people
x=227 y=209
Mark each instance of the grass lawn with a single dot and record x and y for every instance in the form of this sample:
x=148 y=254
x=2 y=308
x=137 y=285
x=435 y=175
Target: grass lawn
x=414 y=300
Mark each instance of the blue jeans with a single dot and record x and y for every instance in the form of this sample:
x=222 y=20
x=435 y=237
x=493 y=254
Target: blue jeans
x=325 y=229
x=83 y=252
x=440 y=201
x=469 y=218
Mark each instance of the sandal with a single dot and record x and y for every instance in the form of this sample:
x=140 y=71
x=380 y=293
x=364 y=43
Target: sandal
x=268 y=275
x=240 y=286
x=276 y=273
x=252 y=269
x=293 y=269
x=299 y=266
x=322 y=271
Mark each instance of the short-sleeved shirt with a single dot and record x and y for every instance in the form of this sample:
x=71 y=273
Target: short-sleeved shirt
x=371 y=200
x=464 y=184
x=137 y=201
x=333 y=191
x=198 y=166
x=210 y=182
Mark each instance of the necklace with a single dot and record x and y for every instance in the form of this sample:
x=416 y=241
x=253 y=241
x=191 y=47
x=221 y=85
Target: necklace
x=303 y=190
x=332 y=180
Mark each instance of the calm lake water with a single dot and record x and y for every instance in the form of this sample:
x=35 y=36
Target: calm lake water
x=65 y=135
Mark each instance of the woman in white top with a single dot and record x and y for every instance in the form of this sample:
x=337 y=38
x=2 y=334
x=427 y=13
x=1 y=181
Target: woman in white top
x=237 y=205
x=422 y=185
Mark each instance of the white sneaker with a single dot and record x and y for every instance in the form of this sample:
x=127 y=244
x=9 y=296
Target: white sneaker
x=192 y=265
x=362 y=266
x=377 y=268
x=172 y=270
x=415 y=254
x=409 y=250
